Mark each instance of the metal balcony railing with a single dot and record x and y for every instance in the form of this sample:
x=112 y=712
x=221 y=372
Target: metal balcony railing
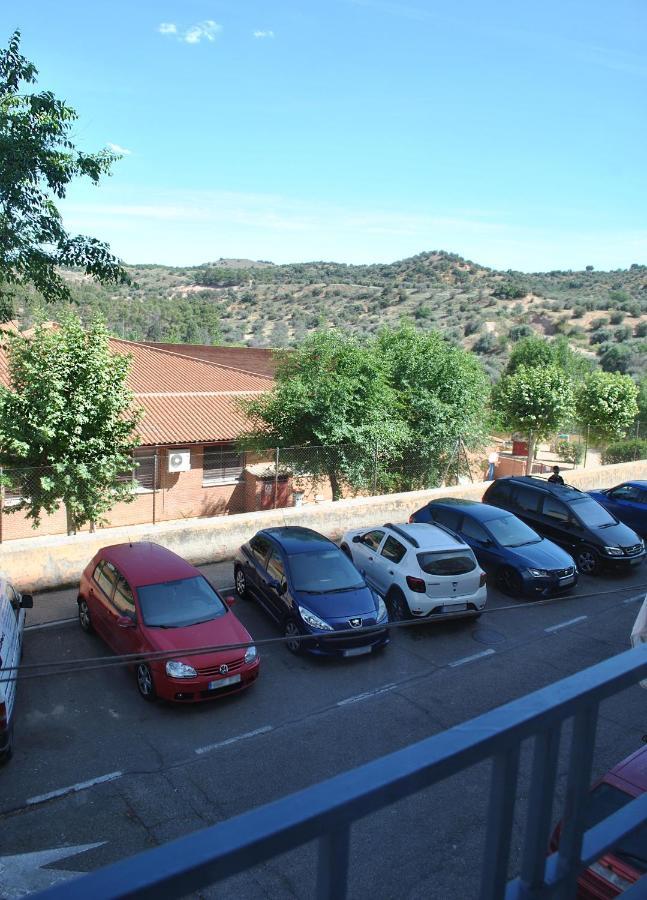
x=326 y=811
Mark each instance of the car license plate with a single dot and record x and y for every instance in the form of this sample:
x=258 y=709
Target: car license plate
x=567 y=579
x=223 y=682
x=455 y=607
x=357 y=651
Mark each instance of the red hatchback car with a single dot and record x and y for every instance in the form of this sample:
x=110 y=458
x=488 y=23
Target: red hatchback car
x=142 y=598
x=626 y=863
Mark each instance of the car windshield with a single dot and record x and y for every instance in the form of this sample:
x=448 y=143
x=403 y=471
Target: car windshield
x=444 y=563
x=592 y=514
x=605 y=800
x=176 y=604
x=323 y=572
x=509 y=531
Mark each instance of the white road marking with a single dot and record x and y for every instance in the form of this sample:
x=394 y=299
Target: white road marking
x=565 y=624
x=23 y=873
x=51 y=624
x=634 y=599
x=73 y=788
x=466 y=659
x=358 y=697
x=234 y=740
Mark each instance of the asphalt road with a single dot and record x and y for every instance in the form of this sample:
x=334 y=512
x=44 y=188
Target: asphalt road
x=102 y=773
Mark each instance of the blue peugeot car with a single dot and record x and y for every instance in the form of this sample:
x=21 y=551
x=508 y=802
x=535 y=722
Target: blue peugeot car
x=521 y=561
x=627 y=502
x=310 y=587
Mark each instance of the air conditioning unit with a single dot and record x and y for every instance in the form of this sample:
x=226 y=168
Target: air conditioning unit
x=179 y=461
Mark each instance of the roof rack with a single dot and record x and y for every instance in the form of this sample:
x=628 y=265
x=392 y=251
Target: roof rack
x=448 y=531
x=403 y=534
x=550 y=484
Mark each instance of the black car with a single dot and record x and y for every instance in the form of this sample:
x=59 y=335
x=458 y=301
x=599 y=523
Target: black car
x=310 y=587
x=570 y=518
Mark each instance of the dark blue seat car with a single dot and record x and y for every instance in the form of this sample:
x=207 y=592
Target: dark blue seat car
x=310 y=587
x=627 y=502
x=520 y=560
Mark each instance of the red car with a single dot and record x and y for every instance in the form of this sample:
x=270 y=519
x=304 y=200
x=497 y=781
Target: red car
x=142 y=598
x=621 y=867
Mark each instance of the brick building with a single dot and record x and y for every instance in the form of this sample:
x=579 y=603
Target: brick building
x=187 y=462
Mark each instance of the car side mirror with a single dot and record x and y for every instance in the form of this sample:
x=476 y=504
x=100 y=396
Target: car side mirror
x=27 y=601
x=357 y=539
x=283 y=587
x=126 y=622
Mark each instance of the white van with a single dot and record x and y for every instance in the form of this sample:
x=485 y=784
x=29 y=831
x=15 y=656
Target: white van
x=12 y=623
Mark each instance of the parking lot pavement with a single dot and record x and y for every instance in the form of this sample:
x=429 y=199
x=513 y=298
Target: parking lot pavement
x=96 y=765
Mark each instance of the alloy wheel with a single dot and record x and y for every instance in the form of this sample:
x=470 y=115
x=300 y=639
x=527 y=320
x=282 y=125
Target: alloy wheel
x=292 y=633
x=84 y=616
x=145 y=681
x=241 y=583
x=587 y=561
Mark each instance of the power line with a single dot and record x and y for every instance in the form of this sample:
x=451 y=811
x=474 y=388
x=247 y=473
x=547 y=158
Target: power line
x=88 y=664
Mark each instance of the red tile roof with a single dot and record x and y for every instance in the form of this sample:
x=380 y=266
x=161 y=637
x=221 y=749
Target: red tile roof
x=185 y=400
x=248 y=359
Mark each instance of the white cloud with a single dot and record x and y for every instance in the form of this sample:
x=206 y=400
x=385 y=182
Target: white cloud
x=206 y=30
x=263 y=34
x=122 y=151
x=167 y=28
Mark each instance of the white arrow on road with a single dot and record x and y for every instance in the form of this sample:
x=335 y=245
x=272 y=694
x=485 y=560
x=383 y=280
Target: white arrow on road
x=24 y=873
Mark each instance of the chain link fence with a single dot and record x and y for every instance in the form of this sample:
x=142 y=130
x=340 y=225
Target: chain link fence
x=169 y=484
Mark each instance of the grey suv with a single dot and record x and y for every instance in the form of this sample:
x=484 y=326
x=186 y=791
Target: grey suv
x=570 y=518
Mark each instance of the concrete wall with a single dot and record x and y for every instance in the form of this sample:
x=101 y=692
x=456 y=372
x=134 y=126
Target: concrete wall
x=57 y=560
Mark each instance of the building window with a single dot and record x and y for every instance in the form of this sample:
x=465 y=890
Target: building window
x=143 y=474
x=222 y=465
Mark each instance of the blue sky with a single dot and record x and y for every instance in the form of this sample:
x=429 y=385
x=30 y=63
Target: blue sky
x=512 y=133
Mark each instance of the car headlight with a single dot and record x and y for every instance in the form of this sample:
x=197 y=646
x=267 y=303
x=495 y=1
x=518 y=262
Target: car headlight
x=250 y=654
x=381 y=609
x=537 y=573
x=177 y=669
x=614 y=551
x=314 y=621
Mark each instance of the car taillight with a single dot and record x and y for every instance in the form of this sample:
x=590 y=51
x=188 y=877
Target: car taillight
x=416 y=584
x=482 y=579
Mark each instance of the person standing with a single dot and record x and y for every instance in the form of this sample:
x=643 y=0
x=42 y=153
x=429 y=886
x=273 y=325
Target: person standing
x=493 y=459
x=556 y=478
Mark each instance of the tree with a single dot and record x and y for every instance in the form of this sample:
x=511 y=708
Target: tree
x=535 y=400
x=441 y=392
x=332 y=395
x=67 y=423
x=607 y=404
x=37 y=162
x=537 y=351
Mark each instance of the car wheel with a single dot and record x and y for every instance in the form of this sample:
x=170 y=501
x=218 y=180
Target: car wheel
x=509 y=581
x=145 y=682
x=240 y=583
x=292 y=634
x=85 y=621
x=588 y=561
x=7 y=753
x=397 y=605
x=346 y=549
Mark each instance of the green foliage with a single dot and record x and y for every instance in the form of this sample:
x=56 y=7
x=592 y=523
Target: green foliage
x=69 y=413
x=332 y=391
x=509 y=290
x=624 y=451
x=607 y=405
x=536 y=400
x=616 y=359
x=404 y=394
x=38 y=162
x=440 y=393
x=570 y=452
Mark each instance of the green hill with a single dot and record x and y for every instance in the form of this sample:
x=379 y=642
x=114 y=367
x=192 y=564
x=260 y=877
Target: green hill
x=603 y=314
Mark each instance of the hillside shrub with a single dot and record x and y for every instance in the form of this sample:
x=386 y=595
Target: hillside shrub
x=641 y=329
x=617 y=317
x=623 y=333
x=600 y=322
x=625 y=451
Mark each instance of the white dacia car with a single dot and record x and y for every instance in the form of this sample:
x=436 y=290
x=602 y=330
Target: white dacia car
x=421 y=570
